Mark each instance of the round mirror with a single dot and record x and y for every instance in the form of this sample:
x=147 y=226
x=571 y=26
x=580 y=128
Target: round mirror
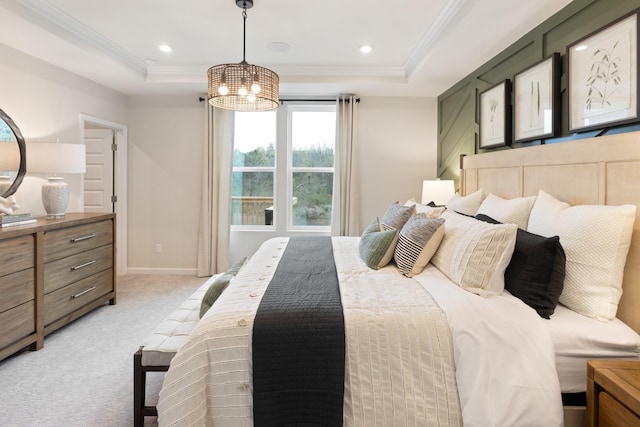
x=13 y=158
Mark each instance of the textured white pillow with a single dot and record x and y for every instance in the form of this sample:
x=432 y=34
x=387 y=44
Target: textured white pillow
x=595 y=239
x=430 y=211
x=474 y=254
x=508 y=211
x=468 y=204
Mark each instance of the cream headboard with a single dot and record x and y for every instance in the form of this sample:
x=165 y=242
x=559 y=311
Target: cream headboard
x=603 y=170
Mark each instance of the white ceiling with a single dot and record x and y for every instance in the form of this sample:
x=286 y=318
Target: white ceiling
x=420 y=48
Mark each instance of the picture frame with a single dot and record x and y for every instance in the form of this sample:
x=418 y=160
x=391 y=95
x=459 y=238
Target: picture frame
x=603 y=76
x=495 y=116
x=536 y=100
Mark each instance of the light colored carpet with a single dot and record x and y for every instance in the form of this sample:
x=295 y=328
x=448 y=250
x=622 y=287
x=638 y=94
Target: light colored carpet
x=84 y=374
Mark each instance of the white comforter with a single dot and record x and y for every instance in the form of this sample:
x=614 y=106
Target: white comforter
x=504 y=359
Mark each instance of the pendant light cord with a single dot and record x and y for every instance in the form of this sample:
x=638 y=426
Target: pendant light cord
x=244 y=32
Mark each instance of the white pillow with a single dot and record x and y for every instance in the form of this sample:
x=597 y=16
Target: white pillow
x=508 y=211
x=474 y=254
x=468 y=204
x=430 y=211
x=595 y=239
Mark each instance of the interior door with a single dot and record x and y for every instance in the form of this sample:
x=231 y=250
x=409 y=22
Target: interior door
x=98 y=179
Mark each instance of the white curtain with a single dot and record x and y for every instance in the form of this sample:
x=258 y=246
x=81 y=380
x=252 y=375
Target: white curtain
x=346 y=198
x=215 y=212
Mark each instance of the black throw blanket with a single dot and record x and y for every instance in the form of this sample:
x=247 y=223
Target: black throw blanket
x=298 y=340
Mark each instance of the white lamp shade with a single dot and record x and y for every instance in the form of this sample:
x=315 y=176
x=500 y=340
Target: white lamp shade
x=9 y=157
x=437 y=191
x=53 y=157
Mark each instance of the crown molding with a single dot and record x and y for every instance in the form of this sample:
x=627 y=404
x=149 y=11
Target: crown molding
x=422 y=51
x=78 y=31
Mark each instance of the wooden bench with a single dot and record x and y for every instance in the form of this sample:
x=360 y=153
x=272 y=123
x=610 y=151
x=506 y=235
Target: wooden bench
x=161 y=346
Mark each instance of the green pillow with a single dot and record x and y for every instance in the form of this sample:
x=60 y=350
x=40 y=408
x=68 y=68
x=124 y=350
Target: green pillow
x=219 y=285
x=374 y=244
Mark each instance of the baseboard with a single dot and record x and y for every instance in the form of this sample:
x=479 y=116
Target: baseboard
x=173 y=271
x=575 y=416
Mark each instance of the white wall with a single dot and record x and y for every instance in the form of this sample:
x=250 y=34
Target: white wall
x=398 y=150
x=45 y=102
x=166 y=136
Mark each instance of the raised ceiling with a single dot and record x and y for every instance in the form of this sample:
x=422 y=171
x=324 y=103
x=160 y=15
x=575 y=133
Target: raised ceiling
x=420 y=48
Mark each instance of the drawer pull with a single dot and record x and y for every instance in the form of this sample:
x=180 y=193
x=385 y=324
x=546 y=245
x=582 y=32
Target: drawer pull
x=86 y=291
x=80 y=239
x=86 y=264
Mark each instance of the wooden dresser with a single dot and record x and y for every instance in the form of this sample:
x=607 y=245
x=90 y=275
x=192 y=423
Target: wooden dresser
x=613 y=393
x=51 y=273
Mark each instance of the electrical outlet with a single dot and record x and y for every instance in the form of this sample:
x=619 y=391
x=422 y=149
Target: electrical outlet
x=158 y=248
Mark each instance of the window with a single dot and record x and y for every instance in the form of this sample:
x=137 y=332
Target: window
x=254 y=161
x=283 y=168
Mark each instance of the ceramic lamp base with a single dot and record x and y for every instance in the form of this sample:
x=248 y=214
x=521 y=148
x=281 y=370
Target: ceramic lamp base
x=55 y=197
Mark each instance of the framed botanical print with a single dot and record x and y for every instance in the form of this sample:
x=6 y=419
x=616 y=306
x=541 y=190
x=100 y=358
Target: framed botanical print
x=603 y=76
x=536 y=100
x=495 y=116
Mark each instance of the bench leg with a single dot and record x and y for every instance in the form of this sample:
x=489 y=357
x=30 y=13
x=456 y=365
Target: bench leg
x=139 y=382
x=140 y=409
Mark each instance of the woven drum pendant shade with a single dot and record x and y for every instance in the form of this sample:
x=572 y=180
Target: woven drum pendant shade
x=234 y=76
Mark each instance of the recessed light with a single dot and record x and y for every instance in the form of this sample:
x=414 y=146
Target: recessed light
x=278 y=46
x=365 y=48
x=165 y=48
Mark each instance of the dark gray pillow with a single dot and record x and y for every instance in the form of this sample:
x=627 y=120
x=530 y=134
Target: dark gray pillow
x=536 y=271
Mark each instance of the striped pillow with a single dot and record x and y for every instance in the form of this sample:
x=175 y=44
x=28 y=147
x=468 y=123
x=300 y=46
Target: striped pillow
x=419 y=240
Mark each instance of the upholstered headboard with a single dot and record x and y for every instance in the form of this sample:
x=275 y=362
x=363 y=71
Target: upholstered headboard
x=603 y=170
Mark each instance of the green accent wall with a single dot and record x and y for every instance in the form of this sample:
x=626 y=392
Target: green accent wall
x=458 y=130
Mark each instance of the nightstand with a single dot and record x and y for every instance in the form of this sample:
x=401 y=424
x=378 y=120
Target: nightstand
x=613 y=393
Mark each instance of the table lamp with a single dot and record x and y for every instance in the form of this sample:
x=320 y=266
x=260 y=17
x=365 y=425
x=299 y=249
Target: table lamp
x=438 y=191
x=55 y=158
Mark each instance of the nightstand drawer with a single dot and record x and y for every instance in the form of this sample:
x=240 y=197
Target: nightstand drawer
x=62 y=272
x=613 y=413
x=69 y=241
x=65 y=300
x=17 y=288
x=17 y=323
x=17 y=254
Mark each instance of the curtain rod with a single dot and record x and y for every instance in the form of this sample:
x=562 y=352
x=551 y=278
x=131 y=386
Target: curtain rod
x=201 y=99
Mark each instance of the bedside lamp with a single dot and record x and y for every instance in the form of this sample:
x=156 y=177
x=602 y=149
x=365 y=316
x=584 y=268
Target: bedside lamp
x=50 y=157
x=9 y=164
x=437 y=191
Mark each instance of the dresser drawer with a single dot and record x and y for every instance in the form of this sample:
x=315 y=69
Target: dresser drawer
x=613 y=413
x=17 y=323
x=65 y=300
x=62 y=272
x=73 y=240
x=16 y=288
x=17 y=254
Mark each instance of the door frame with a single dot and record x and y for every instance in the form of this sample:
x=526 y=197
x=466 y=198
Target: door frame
x=120 y=132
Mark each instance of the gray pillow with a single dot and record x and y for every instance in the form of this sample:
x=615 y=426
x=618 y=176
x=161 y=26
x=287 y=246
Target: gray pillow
x=395 y=218
x=374 y=244
x=219 y=285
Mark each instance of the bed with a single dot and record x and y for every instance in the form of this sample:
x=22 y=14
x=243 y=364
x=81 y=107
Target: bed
x=498 y=362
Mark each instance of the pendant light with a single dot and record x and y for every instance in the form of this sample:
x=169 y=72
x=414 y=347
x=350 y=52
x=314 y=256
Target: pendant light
x=243 y=86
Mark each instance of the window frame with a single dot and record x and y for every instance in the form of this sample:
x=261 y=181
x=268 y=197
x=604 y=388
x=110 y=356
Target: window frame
x=297 y=169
